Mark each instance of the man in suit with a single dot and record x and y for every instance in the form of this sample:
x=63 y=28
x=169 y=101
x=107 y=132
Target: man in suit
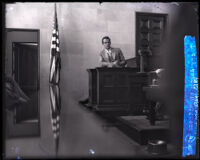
x=111 y=57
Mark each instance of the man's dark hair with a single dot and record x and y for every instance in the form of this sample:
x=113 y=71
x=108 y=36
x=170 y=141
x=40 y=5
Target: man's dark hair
x=106 y=37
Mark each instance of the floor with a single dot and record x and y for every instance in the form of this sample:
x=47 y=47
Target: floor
x=81 y=133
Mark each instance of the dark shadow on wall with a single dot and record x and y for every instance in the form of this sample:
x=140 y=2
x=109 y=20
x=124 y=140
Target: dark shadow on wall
x=186 y=23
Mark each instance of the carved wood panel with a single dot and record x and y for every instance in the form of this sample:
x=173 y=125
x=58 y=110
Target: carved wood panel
x=150 y=32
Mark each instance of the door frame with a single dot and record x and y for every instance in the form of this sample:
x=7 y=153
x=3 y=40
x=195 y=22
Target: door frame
x=38 y=41
x=11 y=126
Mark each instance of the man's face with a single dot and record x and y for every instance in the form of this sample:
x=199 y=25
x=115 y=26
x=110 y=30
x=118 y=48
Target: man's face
x=106 y=43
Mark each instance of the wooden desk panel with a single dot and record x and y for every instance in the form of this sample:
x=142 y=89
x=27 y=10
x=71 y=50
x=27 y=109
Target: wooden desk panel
x=116 y=88
x=92 y=86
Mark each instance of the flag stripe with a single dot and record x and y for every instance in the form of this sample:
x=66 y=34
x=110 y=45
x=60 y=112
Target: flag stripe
x=55 y=62
x=55 y=109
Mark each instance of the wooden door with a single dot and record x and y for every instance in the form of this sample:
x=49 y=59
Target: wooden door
x=25 y=72
x=25 y=62
x=150 y=32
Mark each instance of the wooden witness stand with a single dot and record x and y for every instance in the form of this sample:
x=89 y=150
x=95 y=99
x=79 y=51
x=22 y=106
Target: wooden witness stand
x=117 y=89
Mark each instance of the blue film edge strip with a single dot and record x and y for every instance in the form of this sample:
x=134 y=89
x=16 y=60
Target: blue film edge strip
x=190 y=97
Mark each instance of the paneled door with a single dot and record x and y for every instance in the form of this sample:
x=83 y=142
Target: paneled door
x=150 y=33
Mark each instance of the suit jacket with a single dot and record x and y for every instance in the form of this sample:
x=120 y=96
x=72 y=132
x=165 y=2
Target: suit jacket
x=116 y=55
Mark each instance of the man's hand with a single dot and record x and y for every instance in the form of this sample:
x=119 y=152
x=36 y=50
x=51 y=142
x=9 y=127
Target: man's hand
x=115 y=64
x=110 y=65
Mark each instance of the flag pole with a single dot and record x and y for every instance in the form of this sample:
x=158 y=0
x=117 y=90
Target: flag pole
x=55 y=10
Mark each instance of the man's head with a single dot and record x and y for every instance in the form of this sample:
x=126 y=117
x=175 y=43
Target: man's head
x=106 y=42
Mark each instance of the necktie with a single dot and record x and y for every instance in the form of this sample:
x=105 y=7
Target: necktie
x=110 y=56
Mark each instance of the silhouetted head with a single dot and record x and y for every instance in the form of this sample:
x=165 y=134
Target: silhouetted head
x=106 y=41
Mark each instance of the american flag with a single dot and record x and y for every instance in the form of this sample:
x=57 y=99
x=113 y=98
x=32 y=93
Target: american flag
x=55 y=60
x=55 y=108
